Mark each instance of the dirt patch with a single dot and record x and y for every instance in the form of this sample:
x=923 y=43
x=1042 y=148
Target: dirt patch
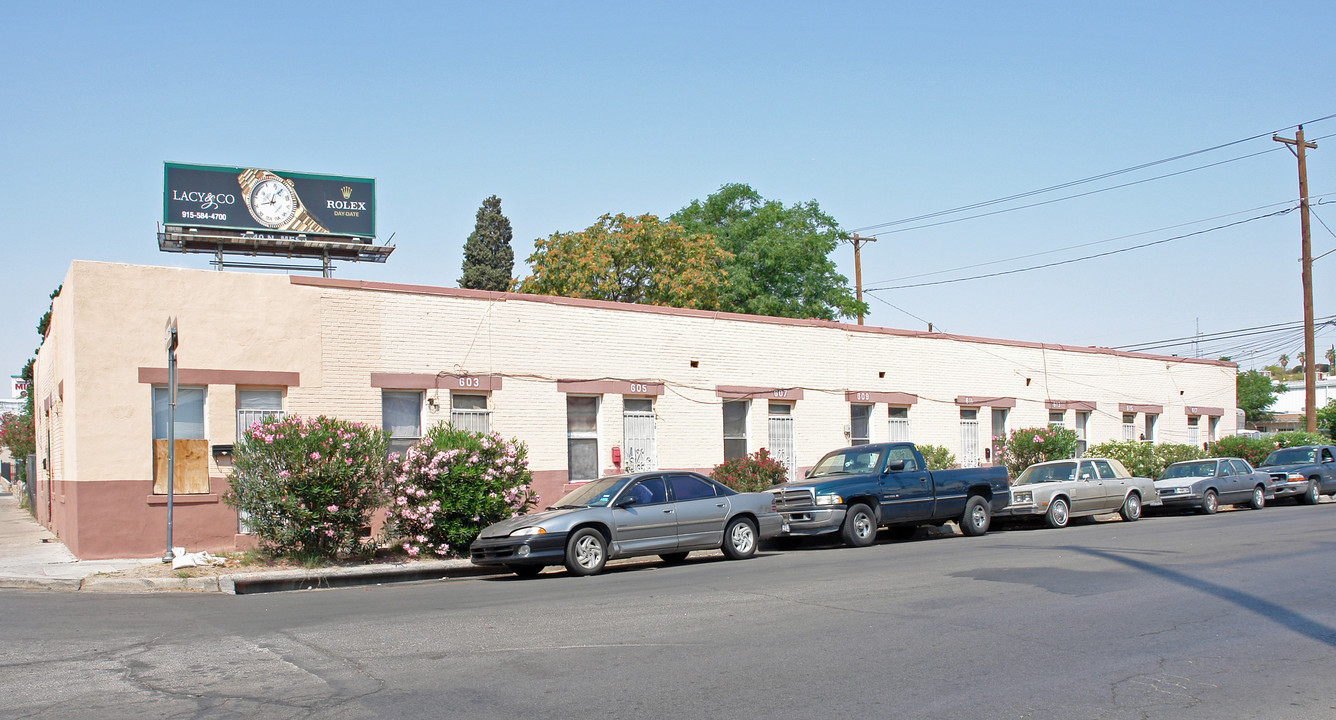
x=241 y=564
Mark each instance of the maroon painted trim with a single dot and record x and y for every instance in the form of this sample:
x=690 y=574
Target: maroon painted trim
x=1203 y=410
x=890 y=398
x=185 y=499
x=435 y=381
x=1148 y=409
x=46 y=405
x=688 y=312
x=60 y=389
x=189 y=376
x=610 y=387
x=976 y=401
x=1088 y=405
x=747 y=392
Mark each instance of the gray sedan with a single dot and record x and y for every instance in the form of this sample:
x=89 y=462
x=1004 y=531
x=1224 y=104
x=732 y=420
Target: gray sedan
x=666 y=513
x=1205 y=484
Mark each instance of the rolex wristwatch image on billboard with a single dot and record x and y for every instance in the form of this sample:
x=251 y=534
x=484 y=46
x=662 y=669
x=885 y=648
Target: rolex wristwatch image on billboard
x=269 y=201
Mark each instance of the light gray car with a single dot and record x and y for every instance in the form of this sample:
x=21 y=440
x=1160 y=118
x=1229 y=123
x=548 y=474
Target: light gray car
x=1206 y=484
x=1060 y=490
x=664 y=513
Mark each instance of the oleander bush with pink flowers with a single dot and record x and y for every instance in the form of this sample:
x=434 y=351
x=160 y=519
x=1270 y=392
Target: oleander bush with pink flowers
x=307 y=486
x=447 y=488
x=1027 y=446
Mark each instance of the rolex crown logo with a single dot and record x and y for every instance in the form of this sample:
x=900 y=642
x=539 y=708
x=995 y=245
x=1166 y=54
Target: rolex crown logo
x=347 y=192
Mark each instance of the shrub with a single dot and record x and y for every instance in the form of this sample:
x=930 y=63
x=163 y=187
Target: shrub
x=1027 y=446
x=451 y=485
x=1255 y=450
x=1167 y=454
x=937 y=457
x=751 y=473
x=1138 y=456
x=307 y=488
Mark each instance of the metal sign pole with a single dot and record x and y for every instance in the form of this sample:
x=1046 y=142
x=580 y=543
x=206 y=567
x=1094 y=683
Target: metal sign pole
x=171 y=430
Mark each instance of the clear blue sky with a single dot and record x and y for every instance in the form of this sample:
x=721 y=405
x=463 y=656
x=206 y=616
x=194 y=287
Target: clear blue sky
x=878 y=111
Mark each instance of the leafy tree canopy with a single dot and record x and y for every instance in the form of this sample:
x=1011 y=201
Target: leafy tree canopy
x=1256 y=392
x=630 y=259
x=780 y=262
x=488 y=256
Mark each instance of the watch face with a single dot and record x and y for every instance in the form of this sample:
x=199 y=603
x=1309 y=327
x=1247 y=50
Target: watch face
x=272 y=202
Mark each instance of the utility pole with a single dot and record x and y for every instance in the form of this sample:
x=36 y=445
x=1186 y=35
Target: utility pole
x=858 y=270
x=1297 y=146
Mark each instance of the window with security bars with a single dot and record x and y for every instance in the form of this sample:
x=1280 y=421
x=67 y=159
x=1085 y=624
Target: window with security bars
x=638 y=443
x=1194 y=429
x=255 y=406
x=898 y=425
x=1129 y=426
x=469 y=412
x=735 y=429
x=581 y=438
x=1057 y=418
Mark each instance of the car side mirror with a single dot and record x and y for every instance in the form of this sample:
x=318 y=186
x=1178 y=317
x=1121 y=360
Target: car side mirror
x=807 y=473
x=627 y=501
x=895 y=465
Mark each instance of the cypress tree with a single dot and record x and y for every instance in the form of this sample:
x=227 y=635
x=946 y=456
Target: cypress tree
x=488 y=257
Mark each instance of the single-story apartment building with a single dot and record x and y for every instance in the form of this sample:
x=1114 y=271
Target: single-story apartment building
x=591 y=387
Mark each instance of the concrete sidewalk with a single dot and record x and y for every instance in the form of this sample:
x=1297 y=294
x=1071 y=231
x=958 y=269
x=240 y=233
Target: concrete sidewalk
x=31 y=557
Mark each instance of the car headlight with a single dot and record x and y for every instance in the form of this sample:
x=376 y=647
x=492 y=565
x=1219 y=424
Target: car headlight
x=1296 y=476
x=531 y=530
x=1022 y=497
x=829 y=500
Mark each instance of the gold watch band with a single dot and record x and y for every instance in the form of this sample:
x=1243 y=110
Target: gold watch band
x=300 y=221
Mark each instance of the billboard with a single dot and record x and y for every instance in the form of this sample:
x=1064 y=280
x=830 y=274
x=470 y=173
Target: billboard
x=268 y=201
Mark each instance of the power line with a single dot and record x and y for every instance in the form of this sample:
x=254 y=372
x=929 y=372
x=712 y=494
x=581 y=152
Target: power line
x=1093 y=178
x=1070 y=197
x=1223 y=334
x=1083 y=258
x=1087 y=244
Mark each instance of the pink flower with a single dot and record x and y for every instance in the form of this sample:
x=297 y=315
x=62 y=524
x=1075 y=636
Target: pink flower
x=1038 y=439
x=315 y=456
x=333 y=508
x=283 y=473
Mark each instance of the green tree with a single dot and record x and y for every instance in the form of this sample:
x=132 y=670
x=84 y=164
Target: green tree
x=1284 y=362
x=629 y=259
x=780 y=262
x=18 y=432
x=1256 y=392
x=1326 y=418
x=488 y=257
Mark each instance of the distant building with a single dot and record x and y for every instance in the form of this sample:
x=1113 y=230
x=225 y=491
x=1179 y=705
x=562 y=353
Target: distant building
x=1292 y=400
x=591 y=387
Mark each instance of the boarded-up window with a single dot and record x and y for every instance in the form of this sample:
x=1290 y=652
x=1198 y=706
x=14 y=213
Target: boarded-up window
x=190 y=465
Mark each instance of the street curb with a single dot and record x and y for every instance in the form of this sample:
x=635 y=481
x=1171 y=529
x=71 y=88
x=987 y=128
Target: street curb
x=260 y=582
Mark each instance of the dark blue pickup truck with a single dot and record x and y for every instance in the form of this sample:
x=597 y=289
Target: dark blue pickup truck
x=856 y=490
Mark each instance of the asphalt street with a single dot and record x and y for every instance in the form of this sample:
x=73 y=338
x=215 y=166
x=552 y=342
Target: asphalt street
x=1227 y=616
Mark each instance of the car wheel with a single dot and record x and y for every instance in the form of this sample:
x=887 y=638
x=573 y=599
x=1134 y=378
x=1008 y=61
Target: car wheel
x=674 y=558
x=975 y=520
x=739 y=539
x=586 y=552
x=1258 y=498
x=860 y=526
x=525 y=571
x=1210 y=502
x=1057 y=514
x=1131 y=509
x=1311 y=495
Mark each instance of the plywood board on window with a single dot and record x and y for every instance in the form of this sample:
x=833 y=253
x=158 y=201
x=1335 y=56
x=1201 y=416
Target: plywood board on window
x=191 y=467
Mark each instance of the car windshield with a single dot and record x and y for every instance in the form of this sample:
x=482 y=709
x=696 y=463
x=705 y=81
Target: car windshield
x=1189 y=470
x=851 y=461
x=1292 y=456
x=592 y=494
x=1057 y=472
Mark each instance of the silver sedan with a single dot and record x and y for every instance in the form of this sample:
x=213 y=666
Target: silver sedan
x=667 y=513
x=1206 y=484
x=1060 y=490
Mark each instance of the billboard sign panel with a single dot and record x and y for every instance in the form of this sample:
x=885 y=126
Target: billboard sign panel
x=268 y=201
